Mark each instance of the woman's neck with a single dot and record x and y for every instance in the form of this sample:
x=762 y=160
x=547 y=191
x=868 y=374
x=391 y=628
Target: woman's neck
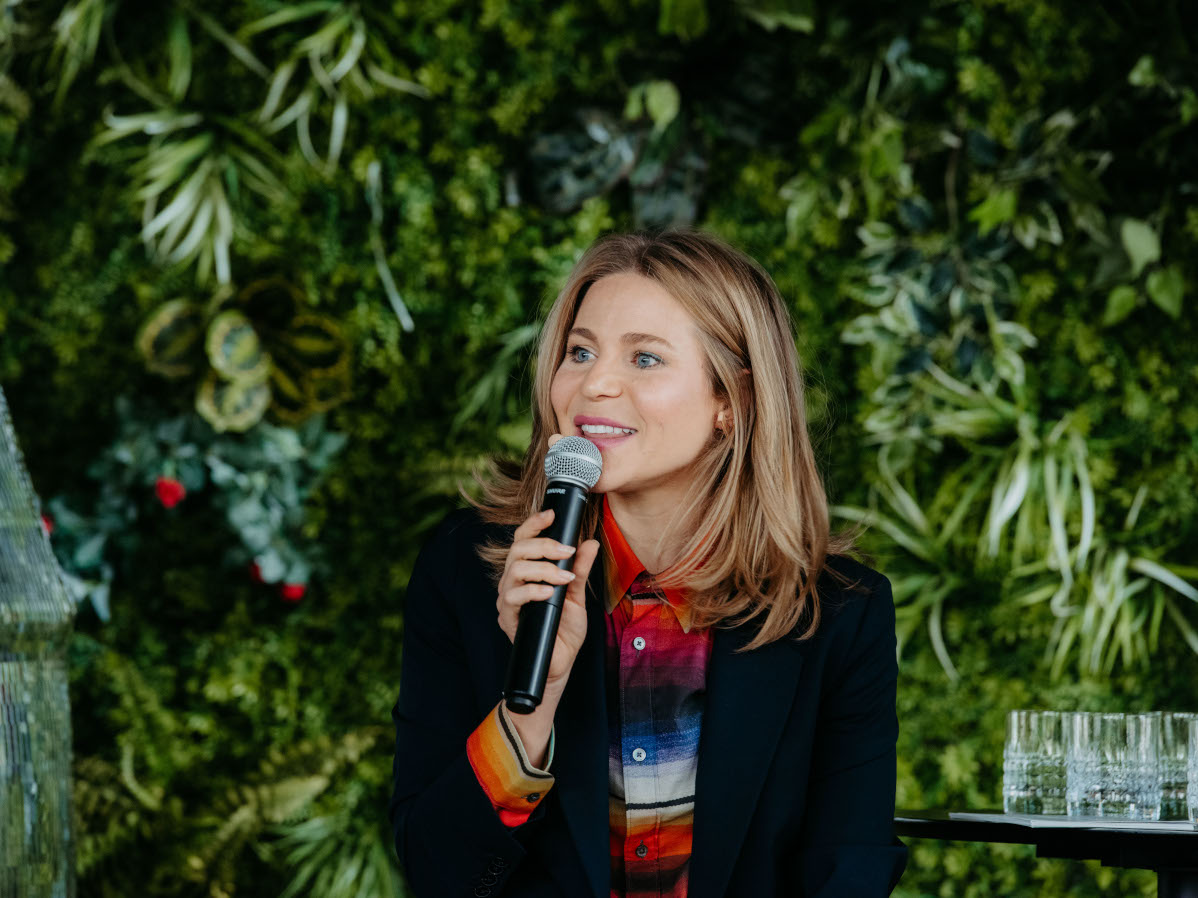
x=642 y=524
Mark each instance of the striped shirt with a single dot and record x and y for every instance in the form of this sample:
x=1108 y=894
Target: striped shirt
x=656 y=670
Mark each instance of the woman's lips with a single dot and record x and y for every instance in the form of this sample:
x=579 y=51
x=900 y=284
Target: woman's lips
x=605 y=440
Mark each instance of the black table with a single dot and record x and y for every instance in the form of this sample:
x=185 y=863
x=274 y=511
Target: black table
x=1171 y=853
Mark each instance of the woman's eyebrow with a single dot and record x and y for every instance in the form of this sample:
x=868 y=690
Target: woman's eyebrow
x=629 y=338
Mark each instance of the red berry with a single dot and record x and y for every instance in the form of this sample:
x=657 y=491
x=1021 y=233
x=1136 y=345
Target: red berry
x=293 y=592
x=170 y=491
x=255 y=572
x=47 y=524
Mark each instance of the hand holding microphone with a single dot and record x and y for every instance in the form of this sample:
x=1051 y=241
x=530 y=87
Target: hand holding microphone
x=542 y=607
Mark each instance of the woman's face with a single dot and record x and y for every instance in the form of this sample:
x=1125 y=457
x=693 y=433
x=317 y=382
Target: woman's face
x=633 y=362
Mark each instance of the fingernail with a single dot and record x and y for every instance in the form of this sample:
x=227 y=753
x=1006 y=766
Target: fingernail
x=571 y=574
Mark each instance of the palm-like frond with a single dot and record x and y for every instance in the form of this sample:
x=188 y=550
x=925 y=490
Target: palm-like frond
x=346 y=854
x=186 y=181
x=1039 y=520
x=77 y=33
x=342 y=62
x=284 y=787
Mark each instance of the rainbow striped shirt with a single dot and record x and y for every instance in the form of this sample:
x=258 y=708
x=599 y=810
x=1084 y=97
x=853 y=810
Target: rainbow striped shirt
x=656 y=673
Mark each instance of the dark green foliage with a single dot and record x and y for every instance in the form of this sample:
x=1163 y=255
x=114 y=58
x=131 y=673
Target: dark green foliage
x=927 y=183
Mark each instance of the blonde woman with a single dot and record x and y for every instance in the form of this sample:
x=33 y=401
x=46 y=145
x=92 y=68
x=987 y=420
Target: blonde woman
x=719 y=716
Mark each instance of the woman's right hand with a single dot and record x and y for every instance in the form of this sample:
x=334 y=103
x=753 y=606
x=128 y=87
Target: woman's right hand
x=525 y=578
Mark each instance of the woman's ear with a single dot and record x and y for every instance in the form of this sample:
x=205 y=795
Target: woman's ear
x=723 y=420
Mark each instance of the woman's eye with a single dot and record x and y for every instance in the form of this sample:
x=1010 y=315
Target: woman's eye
x=572 y=353
x=654 y=361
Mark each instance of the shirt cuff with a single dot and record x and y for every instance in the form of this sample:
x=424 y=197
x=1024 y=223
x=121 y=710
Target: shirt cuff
x=514 y=786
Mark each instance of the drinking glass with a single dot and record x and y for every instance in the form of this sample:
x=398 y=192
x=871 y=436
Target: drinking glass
x=1034 y=763
x=1110 y=786
x=1113 y=766
x=1139 y=767
x=1018 y=795
x=1192 y=790
x=1049 y=773
x=1083 y=790
x=1174 y=760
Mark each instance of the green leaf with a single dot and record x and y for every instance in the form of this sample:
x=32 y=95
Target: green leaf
x=317 y=342
x=634 y=106
x=288 y=388
x=998 y=208
x=235 y=405
x=1143 y=73
x=1188 y=107
x=270 y=566
x=179 y=53
x=235 y=350
x=662 y=103
x=685 y=18
x=1119 y=304
x=285 y=16
x=797 y=15
x=1165 y=287
x=90 y=552
x=169 y=340
x=1140 y=242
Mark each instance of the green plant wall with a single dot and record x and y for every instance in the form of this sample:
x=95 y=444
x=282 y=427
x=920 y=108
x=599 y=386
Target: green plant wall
x=983 y=214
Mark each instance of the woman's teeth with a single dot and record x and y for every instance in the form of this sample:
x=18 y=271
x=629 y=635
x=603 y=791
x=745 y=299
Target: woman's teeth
x=604 y=428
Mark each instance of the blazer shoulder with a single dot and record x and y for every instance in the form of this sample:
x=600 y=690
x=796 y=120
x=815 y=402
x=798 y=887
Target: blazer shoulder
x=448 y=564
x=848 y=587
x=464 y=528
x=843 y=574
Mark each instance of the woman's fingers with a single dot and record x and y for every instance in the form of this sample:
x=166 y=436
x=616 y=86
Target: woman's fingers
x=531 y=575
x=539 y=572
x=513 y=600
x=541 y=547
x=535 y=581
x=521 y=595
x=534 y=525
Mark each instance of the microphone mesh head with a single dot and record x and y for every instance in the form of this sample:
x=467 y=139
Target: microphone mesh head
x=576 y=459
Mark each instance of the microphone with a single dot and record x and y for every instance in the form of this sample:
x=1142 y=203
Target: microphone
x=572 y=466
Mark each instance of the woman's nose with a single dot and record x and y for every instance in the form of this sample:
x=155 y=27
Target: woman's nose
x=601 y=380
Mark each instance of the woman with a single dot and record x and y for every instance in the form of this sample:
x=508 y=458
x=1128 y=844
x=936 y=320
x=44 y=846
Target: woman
x=719 y=712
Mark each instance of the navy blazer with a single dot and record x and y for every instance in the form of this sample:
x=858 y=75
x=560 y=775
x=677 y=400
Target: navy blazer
x=794 y=792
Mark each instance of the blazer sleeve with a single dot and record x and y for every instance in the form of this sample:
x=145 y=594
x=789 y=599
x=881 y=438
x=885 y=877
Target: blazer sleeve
x=848 y=845
x=448 y=837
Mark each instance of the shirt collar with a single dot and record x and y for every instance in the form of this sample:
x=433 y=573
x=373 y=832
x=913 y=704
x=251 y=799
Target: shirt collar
x=628 y=567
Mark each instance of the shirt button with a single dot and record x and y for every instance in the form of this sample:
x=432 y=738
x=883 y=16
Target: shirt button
x=638 y=643
x=641 y=850
x=638 y=755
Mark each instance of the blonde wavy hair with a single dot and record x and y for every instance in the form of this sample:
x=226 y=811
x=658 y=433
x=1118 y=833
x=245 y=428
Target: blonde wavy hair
x=753 y=527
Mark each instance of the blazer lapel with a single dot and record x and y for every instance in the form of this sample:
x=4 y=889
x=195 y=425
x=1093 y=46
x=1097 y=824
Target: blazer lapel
x=749 y=697
x=580 y=755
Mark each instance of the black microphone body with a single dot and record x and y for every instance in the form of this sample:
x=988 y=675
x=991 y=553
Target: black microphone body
x=536 y=631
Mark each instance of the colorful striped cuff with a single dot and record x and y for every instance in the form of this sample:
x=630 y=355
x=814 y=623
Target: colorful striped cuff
x=512 y=784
